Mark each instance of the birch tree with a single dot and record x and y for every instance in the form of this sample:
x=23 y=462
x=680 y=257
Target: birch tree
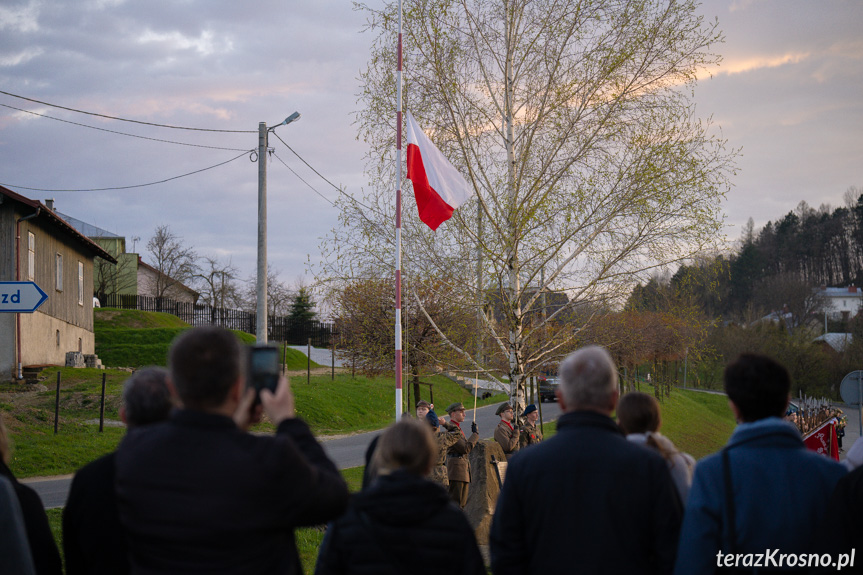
x=574 y=124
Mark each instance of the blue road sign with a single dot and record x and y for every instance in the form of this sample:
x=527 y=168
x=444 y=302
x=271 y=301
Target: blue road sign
x=20 y=297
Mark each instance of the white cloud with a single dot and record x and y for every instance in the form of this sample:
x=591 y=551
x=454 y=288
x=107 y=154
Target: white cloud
x=203 y=44
x=21 y=57
x=20 y=19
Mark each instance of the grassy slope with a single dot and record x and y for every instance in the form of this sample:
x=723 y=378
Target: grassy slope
x=698 y=423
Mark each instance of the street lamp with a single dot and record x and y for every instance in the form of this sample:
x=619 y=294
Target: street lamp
x=261 y=319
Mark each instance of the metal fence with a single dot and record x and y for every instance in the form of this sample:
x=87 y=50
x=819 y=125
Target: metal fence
x=279 y=328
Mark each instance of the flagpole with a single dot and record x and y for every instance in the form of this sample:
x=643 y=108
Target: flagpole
x=398 y=327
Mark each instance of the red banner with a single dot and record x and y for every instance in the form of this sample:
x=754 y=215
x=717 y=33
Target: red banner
x=823 y=440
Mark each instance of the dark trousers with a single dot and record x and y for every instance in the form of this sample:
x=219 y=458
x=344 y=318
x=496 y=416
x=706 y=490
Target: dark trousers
x=458 y=492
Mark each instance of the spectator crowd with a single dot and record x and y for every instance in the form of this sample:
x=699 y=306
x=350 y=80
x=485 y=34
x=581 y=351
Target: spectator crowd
x=190 y=490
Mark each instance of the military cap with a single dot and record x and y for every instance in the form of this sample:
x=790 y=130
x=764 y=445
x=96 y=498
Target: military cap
x=423 y=403
x=432 y=418
x=455 y=407
x=529 y=409
x=502 y=407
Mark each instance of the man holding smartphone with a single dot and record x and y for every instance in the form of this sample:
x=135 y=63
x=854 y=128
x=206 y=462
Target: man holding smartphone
x=200 y=494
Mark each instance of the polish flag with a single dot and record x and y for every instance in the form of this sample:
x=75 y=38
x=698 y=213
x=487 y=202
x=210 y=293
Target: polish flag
x=439 y=188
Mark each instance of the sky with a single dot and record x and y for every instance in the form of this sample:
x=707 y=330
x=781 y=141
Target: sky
x=788 y=95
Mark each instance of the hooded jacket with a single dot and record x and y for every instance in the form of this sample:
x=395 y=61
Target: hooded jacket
x=401 y=524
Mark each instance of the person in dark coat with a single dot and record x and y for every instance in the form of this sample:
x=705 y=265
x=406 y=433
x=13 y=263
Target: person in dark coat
x=402 y=523
x=586 y=500
x=46 y=556
x=14 y=549
x=93 y=540
x=199 y=494
x=764 y=490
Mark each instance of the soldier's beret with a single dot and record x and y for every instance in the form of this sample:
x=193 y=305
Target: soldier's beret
x=432 y=418
x=455 y=407
x=423 y=403
x=502 y=407
x=529 y=409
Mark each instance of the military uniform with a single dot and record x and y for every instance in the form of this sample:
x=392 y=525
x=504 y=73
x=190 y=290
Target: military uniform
x=508 y=437
x=444 y=440
x=458 y=461
x=529 y=435
x=505 y=434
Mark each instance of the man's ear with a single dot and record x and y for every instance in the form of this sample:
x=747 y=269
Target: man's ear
x=736 y=411
x=238 y=389
x=560 y=400
x=615 y=397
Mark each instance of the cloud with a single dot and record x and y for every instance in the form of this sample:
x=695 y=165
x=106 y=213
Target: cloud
x=19 y=19
x=760 y=62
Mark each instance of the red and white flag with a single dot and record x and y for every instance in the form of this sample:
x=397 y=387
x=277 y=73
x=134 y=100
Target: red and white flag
x=439 y=187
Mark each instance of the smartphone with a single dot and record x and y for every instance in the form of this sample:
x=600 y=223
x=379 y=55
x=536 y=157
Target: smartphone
x=263 y=370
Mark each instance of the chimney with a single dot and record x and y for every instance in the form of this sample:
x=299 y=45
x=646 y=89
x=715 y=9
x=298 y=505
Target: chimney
x=49 y=203
x=852 y=289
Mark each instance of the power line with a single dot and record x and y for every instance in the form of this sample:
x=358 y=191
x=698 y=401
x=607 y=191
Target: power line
x=304 y=181
x=121 y=133
x=130 y=187
x=127 y=120
x=309 y=165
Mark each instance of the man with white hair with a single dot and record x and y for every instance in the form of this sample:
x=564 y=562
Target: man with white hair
x=586 y=498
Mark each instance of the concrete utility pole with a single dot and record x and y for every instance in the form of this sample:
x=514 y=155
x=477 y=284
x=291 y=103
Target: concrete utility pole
x=261 y=308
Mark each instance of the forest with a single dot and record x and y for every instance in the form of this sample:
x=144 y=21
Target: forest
x=764 y=295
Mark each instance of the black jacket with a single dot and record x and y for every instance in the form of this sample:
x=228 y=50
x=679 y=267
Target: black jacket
x=401 y=524
x=93 y=541
x=197 y=495
x=586 y=501
x=46 y=557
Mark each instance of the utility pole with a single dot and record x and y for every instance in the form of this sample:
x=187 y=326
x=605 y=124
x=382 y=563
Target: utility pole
x=261 y=296
x=261 y=309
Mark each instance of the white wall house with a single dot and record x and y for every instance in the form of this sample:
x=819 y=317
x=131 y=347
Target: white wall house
x=841 y=303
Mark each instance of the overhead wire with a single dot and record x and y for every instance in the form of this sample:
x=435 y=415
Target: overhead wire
x=121 y=133
x=133 y=186
x=126 y=119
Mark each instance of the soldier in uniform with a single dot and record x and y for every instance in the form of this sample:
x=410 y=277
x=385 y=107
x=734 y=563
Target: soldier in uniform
x=423 y=407
x=505 y=434
x=529 y=434
x=444 y=439
x=457 y=463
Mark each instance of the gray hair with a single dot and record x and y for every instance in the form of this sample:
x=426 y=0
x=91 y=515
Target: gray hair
x=588 y=378
x=146 y=396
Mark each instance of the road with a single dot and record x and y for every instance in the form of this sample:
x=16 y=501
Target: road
x=345 y=451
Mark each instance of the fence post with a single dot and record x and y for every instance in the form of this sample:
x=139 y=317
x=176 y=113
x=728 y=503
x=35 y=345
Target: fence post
x=57 y=405
x=333 y=360
x=285 y=357
x=309 y=362
x=102 y=406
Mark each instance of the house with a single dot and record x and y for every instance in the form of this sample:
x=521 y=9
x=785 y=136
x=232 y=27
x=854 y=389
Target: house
x=108 y=278
x=841 y=303
x=148 y=282
x=38 y=245
x=131 y=276
x=838 y=342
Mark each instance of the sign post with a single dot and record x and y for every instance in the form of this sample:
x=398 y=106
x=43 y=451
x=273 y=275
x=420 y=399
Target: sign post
x=21 y=297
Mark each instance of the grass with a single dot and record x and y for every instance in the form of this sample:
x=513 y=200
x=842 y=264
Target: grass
x=346 y=405
x=698 y=423
x=130 y=338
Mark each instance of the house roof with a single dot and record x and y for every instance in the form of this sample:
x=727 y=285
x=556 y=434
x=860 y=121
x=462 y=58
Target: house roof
x=838 y=341
x=88 y=230
x=145 y=265
x=50 y=217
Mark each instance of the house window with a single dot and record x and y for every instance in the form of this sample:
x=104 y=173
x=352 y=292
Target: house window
x=31 y=256
x=80 y=283
x=58 y=338
x=58 y=271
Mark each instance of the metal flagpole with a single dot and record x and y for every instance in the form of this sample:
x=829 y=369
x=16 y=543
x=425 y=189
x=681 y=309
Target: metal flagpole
x=475 y=387
x=398 y=366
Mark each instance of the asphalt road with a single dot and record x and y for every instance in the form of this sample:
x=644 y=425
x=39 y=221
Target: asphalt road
x=345 y=451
